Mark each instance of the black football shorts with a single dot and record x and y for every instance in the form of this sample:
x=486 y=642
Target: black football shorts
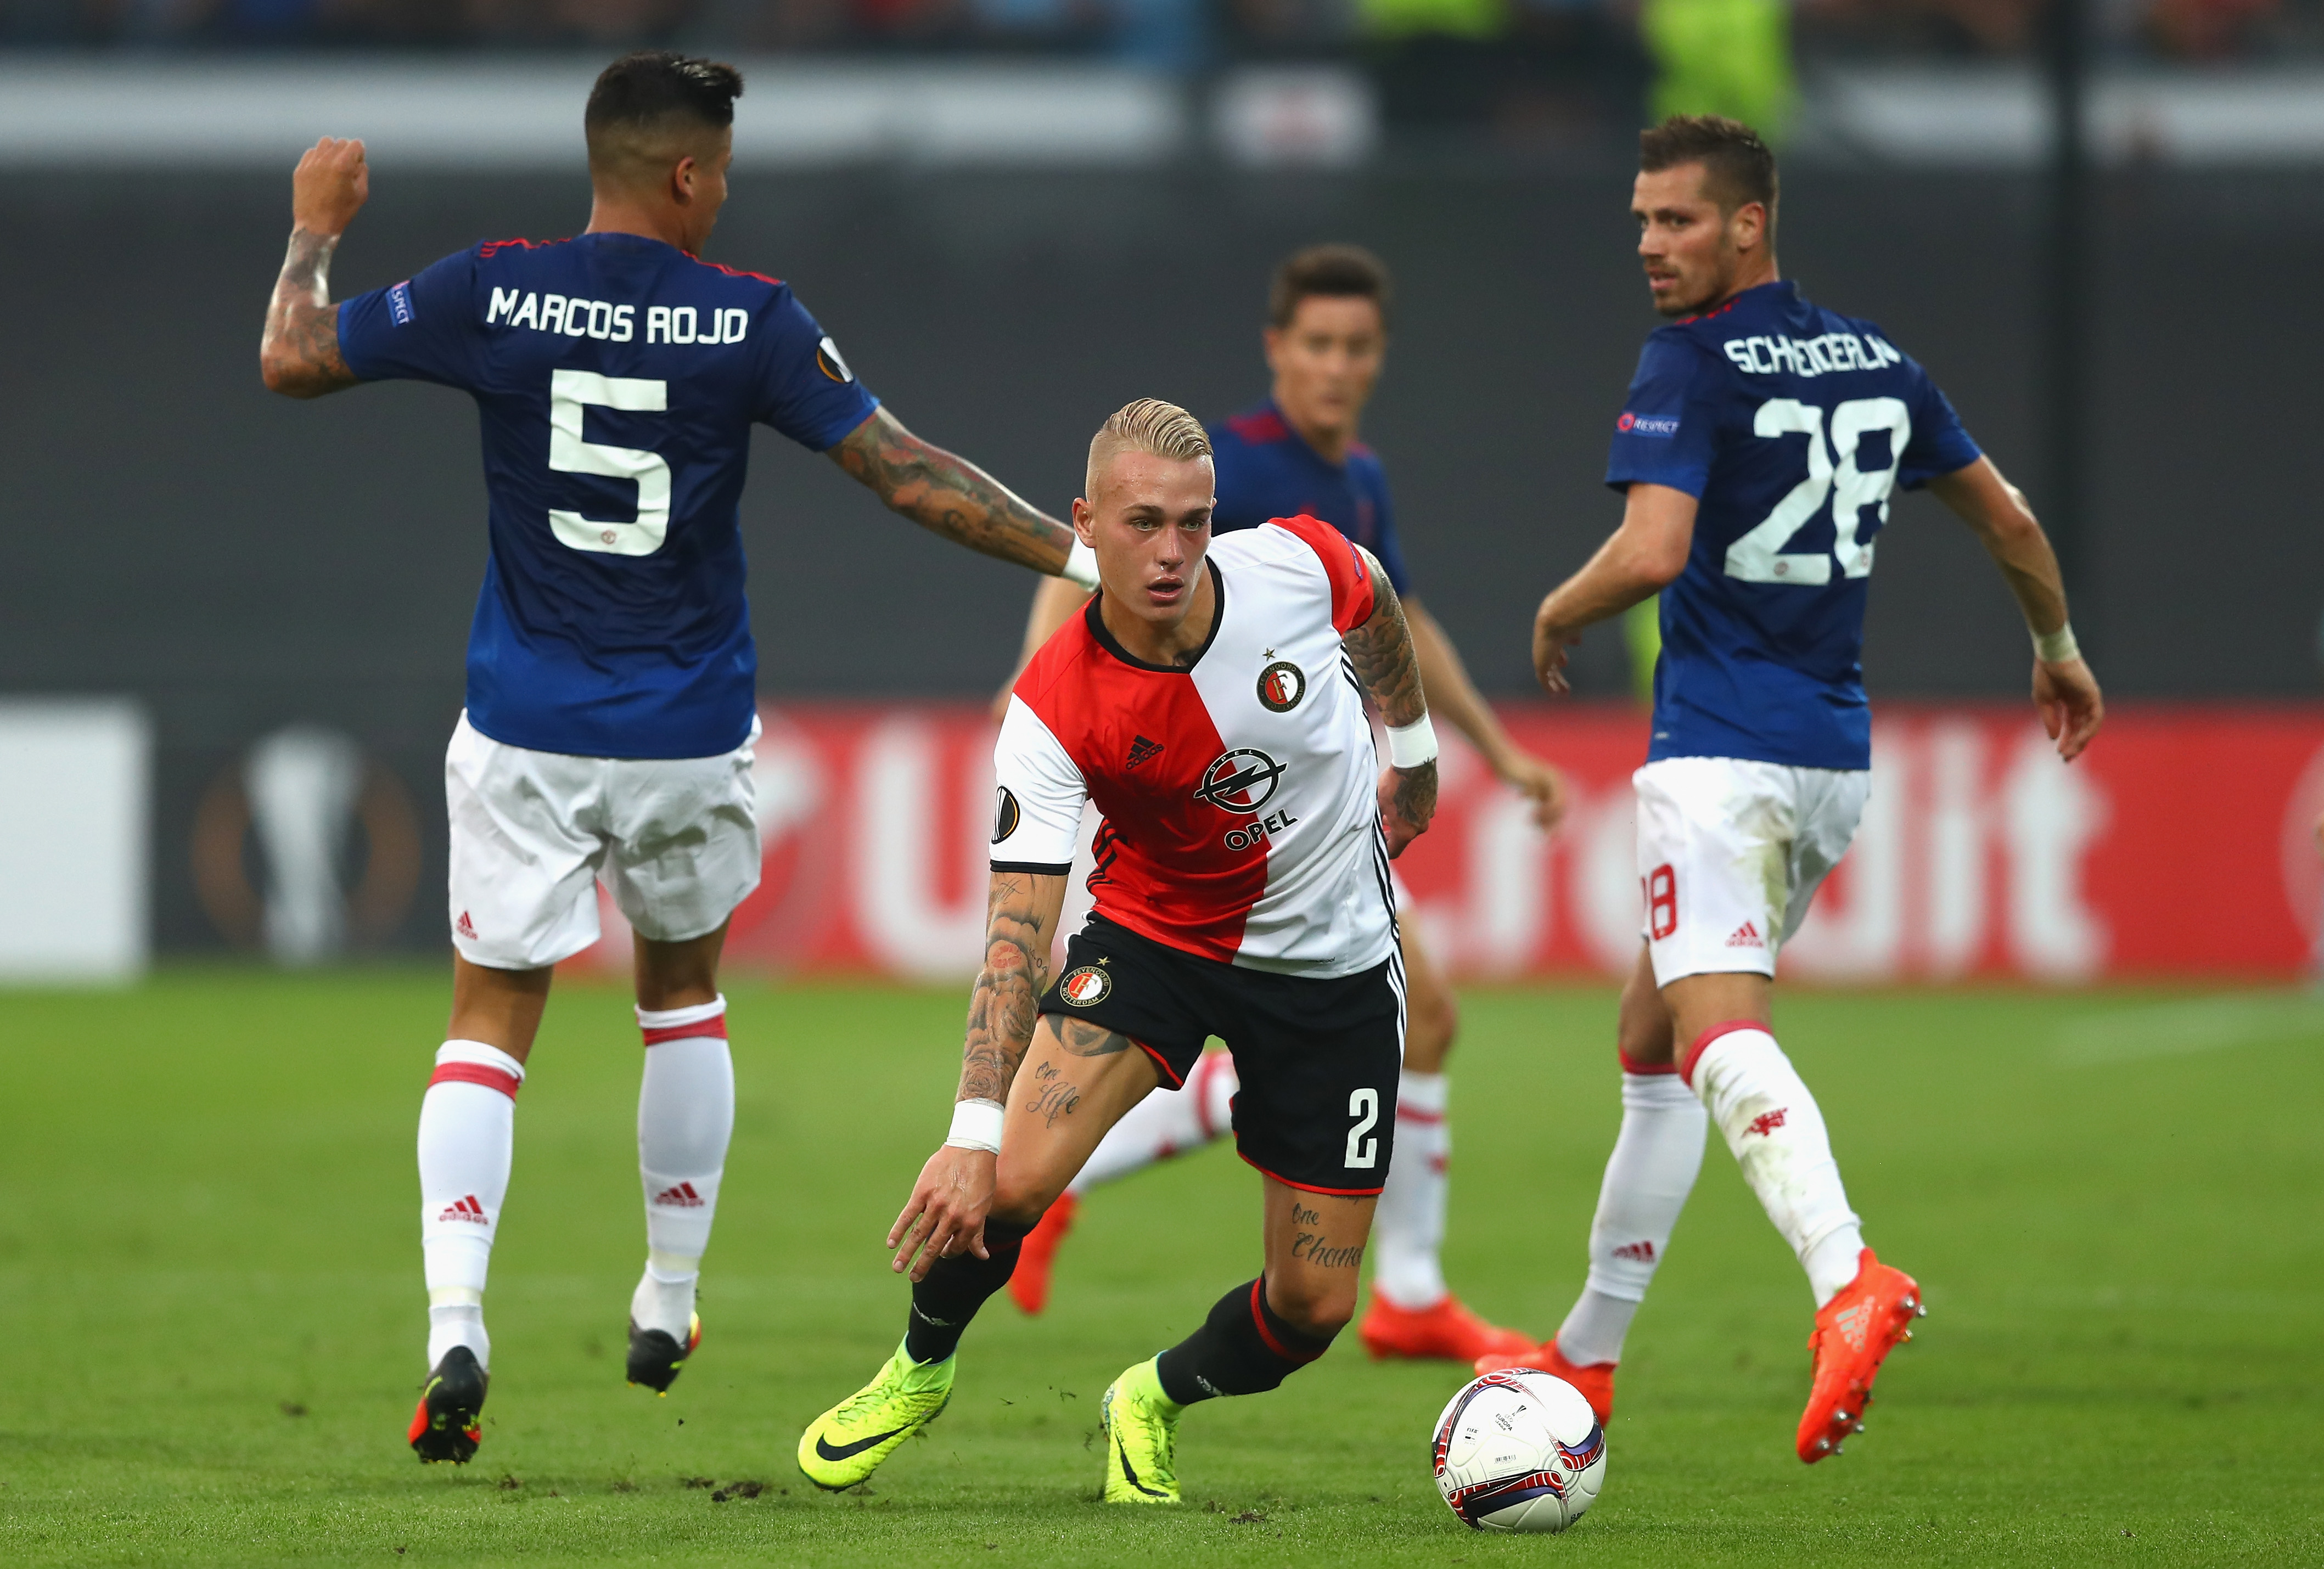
x=1318 y=1059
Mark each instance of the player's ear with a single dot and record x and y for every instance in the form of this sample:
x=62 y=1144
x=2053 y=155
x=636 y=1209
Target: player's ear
x=682 y=176
x=1084 y=521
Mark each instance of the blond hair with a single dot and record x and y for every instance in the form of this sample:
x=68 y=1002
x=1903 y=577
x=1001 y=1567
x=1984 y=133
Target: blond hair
x=1151 y=426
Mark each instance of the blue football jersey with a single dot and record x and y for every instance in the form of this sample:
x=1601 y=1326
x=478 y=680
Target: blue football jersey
x=616 y=379
x=1790 y=425
x=1266 y=470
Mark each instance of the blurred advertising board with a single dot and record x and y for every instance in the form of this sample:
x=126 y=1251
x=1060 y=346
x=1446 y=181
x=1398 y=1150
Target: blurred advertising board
x=2180 y=846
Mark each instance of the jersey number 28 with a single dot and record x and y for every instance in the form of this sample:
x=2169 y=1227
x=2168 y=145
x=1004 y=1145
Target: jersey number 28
x=1759 y=557
x=570 y=393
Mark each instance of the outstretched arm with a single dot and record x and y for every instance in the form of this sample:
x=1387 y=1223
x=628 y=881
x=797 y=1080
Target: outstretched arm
x=1639 y=559
x=945 y=1213
x=951 y=496
x=2064 y=690
x=1381 y=649
x=298 y=356
x=1452 y=694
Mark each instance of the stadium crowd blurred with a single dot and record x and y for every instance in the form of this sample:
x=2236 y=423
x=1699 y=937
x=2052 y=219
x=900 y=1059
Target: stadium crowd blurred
x=1729 y=34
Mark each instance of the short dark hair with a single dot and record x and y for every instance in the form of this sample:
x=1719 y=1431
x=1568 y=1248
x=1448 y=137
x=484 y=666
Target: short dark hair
x=649 y=88
x=1738 y=168
x=1335 y=271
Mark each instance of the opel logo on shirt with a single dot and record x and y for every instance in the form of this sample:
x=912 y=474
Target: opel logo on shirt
x=1241 y=780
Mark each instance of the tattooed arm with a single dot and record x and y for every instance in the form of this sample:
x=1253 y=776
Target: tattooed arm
x=1020 y=920
x=945 y=1213
x=1389 y=670
x=298 y=356
x=951 y=496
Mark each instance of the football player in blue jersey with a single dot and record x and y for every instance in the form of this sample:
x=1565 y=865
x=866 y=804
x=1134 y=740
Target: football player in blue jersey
x=1758 y=451
x=611 y=694
x=1296 y=453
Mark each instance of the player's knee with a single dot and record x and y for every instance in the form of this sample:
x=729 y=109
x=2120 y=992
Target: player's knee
x=1317 y=1305
x=1021 y=1197
x=1643 y=1028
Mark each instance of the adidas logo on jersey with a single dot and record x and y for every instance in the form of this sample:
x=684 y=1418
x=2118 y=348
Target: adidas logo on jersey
x=1746 y=935
x=1639 y=1253
x=1141 y=752
x=682 y=1196
x=467 y=1209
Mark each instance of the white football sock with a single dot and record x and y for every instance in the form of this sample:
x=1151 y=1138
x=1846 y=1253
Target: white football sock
x=468 y=1131
x=685 y=1119
x=1776 y=1131
x=1408 y=1227
x=1165 y=1123
x=1655 y=1159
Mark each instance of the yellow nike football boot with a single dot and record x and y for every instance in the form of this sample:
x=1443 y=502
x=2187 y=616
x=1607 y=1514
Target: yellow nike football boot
x=1140 y=1424
x=847 y=1444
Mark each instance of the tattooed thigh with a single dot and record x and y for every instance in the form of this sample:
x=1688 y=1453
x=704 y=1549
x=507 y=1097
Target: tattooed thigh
x=1083 y=1039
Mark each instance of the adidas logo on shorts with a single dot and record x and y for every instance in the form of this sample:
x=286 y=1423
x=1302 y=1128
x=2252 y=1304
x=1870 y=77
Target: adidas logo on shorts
x=1746 y=935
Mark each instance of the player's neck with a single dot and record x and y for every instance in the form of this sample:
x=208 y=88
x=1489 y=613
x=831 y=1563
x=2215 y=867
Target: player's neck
x=616 y=215
x=1170 y=647
x=1760 y=271
x=1330 y=442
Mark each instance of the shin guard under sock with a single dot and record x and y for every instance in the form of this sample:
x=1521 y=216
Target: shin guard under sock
x=1776 y=1131
x=956 y=1287
x=1408 y=1227
x=685 y=1119
x=467 y=1128
x=1244 y=1348
x=1656 y=1158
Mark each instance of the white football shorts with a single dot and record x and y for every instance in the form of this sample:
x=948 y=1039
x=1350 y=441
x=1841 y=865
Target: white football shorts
x=675 y=839
x=1730 y=853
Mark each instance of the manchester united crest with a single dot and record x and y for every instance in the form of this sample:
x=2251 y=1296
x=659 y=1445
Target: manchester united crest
x=1281 y=686
x=1085 y=985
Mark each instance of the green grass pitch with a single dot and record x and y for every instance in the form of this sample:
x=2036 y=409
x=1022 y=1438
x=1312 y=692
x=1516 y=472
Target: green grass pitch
x=209 y=1265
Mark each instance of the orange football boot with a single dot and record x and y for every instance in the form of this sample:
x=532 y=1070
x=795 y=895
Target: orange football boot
x=1595 y=1381
x=1853 y=1331
x=1447 y=1332
x=1030 y=1284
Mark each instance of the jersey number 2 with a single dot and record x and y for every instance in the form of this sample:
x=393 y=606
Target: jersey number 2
x=570 y=393
x=1759 y=557
x=1364 y=1106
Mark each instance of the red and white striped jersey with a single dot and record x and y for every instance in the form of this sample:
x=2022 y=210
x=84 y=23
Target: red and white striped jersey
x=1241 y=820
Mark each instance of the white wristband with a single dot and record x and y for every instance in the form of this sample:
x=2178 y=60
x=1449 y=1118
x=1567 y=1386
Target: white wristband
x=1410 y=745
x=1080 y=566
x=2055 y=648
x=976 y=1125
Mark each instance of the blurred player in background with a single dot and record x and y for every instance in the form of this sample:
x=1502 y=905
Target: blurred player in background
x=1758 y=448
x=611 y=698
x=1210 y=700
x=1297 y=455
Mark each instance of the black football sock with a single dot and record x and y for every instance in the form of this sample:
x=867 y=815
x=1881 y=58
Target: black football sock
x=956 y=1287
x=1244 y=1347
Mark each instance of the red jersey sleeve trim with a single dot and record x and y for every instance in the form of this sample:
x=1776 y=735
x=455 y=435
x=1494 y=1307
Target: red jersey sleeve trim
x=1344 y=564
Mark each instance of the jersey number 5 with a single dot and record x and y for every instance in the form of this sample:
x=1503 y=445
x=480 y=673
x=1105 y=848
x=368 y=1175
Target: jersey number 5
x=1759 y=557
x=570 y=393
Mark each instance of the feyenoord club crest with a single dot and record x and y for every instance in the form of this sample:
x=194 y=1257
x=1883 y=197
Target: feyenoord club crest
x=1241 y=780
x=1281 y=686
x=1085 y=985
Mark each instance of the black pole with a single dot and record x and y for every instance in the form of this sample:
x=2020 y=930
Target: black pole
x=2066 y=287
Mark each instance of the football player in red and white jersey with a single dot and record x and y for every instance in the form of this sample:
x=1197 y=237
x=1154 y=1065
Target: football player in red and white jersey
x=1210 y=700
